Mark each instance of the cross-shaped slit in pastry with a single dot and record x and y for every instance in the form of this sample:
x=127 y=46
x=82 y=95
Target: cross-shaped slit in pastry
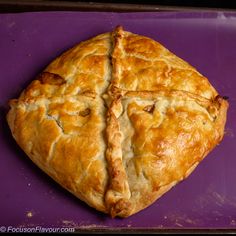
x=118 y=120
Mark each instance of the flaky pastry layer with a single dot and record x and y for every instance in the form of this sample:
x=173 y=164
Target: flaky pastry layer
x=118 y=120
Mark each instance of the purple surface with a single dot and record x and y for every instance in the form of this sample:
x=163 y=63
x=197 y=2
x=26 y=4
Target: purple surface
x=29 y=41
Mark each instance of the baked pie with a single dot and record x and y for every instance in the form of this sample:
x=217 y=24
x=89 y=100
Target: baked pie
x=118 y=120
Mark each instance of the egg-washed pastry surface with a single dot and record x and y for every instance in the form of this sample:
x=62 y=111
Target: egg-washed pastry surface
x=118 y=120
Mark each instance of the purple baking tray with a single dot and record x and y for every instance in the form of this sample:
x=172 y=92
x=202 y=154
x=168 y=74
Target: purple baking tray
x=29 y=41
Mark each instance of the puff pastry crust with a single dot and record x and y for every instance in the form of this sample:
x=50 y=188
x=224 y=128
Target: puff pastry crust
x=118 y=120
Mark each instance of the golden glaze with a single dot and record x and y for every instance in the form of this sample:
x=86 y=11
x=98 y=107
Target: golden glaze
x=118 y=120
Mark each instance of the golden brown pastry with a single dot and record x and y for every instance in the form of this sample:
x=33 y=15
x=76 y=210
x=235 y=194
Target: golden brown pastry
x=118 y=120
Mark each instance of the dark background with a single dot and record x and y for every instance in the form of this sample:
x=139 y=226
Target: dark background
x=114 y=5
x=196 y=3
